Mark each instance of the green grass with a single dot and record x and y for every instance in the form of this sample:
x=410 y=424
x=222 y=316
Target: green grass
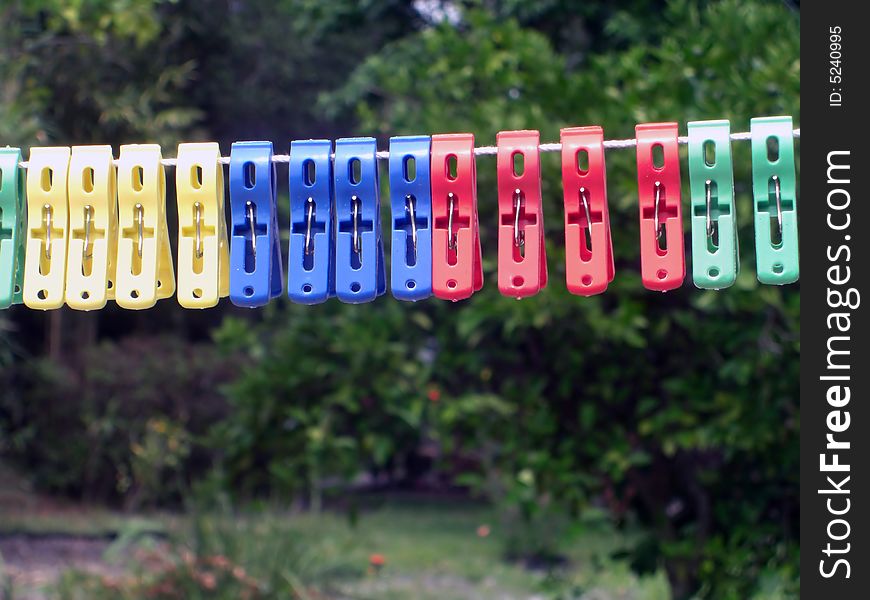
x=431 y=551
x=432 y=548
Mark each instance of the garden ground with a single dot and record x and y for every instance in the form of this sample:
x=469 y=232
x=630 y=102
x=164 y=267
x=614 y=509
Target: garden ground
x=392 y=549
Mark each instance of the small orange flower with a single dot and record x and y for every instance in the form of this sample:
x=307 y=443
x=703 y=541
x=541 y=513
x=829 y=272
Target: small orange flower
x=208 y=581
x=377 y=560
x=483 y=531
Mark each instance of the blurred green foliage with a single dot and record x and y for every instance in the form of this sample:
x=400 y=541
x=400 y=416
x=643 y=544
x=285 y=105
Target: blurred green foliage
x=679 y=410
x=129 y=425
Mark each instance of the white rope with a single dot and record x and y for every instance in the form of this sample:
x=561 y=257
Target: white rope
x=479 y=151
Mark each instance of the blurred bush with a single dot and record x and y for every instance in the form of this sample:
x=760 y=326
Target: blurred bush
x=224 y=557
x=128 y=428
x=348 y=394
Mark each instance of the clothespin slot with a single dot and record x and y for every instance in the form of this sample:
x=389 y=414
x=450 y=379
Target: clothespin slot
x=311 y=269
x=457 y=270
x=48 y=226
x=256 y=271
x=359 y=266
x=144 y=271
x=662 y=255
x=411 y=204
x=775 y=200
x=588 y=247
x=93 y=224
x=203 y=261
x=715 y=261
x=13 y=225
x=522 y=257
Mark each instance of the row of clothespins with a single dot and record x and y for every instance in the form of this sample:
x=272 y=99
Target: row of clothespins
x=79 y=227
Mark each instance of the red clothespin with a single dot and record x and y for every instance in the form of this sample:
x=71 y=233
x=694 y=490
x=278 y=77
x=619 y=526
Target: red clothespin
x=457 y=270
x=588 y=247
x=662 y=256
x=522 y=256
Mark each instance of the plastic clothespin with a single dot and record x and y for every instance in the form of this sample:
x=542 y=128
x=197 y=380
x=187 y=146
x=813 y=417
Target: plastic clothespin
x=13 y=225
x=588 y=245
x=144 y=271
x=256 y=270
x=457 y=270
x=359 y=265
x=93 y=228
x=715 y=261
x=311 y=268
x=775 y=200
x=203 y=261
x=411 y=203
x=662 y=256
x=48 y=224
x=522 y=254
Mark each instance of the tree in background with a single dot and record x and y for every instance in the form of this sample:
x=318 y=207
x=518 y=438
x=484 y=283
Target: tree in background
x=678 y=408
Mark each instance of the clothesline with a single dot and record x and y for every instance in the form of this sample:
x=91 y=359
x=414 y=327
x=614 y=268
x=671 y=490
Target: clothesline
x=483 y=150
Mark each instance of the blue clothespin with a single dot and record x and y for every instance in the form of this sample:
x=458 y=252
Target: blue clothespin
x=311 y=273
x=256 y=272
x=359 y=264
x=411 y=203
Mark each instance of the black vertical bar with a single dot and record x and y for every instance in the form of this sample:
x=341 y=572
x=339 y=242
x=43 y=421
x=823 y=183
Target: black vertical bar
x=835 y=260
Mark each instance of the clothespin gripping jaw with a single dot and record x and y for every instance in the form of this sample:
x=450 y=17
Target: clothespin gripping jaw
x=13 y=225
x=715 y=261
x=203 y=255
x=589 y=265
x=662 y=255
x=359 y=267
x=457 y=270
x=411 y=208
x=311 y=262
x=47 y=228
x=256 y=273
x=774 y=191
x=144 y=271
x=93 y=224
x=522 y=257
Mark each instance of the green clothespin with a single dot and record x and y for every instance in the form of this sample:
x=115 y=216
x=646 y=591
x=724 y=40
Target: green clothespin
x=775 y=200
x=715 y=261
x=13 y=219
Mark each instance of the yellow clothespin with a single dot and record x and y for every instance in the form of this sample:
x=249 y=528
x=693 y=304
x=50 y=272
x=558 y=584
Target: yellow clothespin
x=93 y=226
x=203 y=255
x=47 y=227
x=144 y=267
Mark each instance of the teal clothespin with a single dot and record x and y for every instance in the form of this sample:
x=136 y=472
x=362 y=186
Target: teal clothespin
x=13 y=218
x=715 y=261
x=775 y=200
